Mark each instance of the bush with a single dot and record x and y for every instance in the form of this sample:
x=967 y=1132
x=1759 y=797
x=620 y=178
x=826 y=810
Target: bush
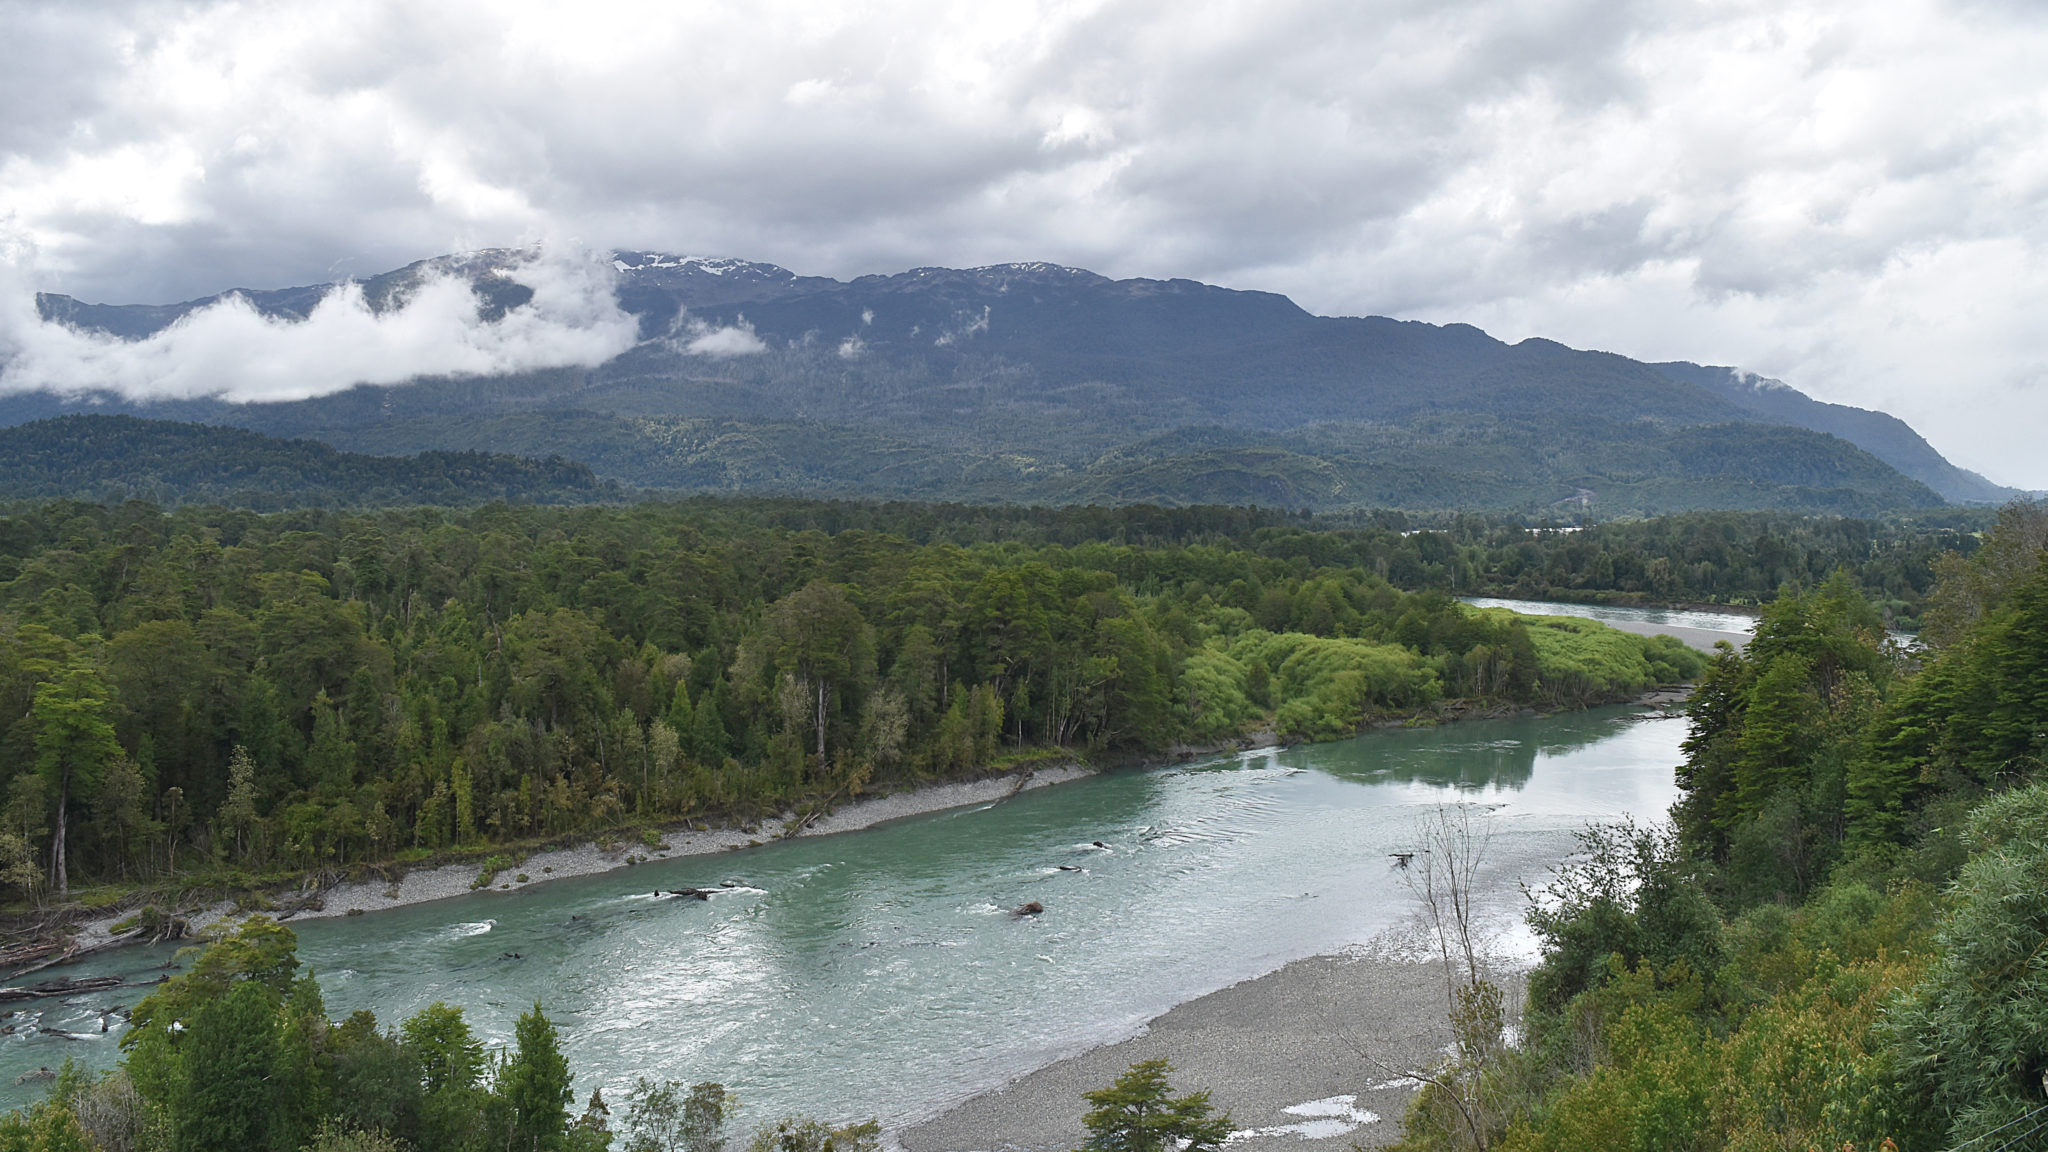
x=1974 y=1035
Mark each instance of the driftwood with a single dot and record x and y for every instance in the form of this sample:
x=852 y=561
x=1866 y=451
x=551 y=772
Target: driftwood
x=46 y=955
x=61 y=988
x=29 y=953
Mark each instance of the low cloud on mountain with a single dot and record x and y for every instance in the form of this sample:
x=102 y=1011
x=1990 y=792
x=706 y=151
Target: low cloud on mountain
x=229 y=350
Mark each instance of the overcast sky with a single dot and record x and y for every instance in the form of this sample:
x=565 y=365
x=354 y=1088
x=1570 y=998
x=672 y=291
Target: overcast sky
x=1852 y=197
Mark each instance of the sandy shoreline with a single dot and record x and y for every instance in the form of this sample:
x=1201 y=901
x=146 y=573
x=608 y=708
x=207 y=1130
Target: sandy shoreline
x=425 y=885
x=1310 y=1053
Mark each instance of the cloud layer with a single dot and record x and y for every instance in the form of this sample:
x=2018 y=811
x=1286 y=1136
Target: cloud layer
x=230 y=350
x=1846 y=196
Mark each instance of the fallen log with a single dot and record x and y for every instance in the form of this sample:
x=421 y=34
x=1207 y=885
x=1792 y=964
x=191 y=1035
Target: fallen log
x=60 y=988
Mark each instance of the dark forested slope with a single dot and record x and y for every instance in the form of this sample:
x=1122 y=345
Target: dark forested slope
x=113 y=458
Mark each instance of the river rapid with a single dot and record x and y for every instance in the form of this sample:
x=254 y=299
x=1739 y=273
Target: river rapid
x=883 y=974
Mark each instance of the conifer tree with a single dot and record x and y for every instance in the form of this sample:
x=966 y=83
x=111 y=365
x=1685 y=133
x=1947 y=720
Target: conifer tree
x=1136 y=1114
x=534 y=1083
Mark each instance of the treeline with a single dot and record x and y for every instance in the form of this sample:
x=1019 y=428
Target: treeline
x=239 y=1053
x=1735 y=558
x=1838 y=942
x=313 y=690
x=1740 y=558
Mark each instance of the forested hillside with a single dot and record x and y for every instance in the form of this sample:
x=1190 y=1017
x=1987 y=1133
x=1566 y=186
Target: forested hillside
x=1838 y=942
x=114 y=458
x=313 y=690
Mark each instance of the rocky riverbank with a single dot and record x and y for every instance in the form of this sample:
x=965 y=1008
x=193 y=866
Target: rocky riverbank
x=422 y=885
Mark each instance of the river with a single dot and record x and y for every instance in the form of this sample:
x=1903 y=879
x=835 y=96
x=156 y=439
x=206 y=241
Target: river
x=881 y=973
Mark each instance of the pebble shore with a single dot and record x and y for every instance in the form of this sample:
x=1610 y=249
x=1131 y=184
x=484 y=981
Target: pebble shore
x=449 y=881
x=1312 y=1055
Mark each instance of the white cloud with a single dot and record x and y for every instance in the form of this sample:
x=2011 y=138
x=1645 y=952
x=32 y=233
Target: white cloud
x=1850 y=197
x=723 y=342
x=231 y=351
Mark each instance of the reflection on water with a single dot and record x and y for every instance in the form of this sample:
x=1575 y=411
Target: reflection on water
x=883 y=973
x=1499 y=754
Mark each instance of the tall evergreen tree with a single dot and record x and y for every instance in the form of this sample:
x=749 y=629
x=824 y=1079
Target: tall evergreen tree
x=230 y=1098
x=534 y=1083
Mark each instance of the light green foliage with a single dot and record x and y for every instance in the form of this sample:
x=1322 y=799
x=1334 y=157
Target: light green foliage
x=1582 y=661
x=47 y=1127
x=74 y=742
x=666 y=1117
x=1215 y=695
x=1138 y=1113
x=337 y=1137
x=1329 y=686
x=803 y=1134
x=261 y=951
x=592 y=1130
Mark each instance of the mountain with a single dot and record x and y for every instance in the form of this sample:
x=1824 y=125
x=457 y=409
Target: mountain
x=108 y=459
x=1881 y=434
x=1047 y=383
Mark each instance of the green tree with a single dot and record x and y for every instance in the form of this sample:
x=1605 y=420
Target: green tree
x=817 y=637
x=439 y=1039
x=238 y=811
x=44 y=1127
x=375 y=1080
x=229 y=1098
x=451 y=1063
x=261 y=952
x=1138 y=1114
x=534 y=1083
x=74 y=740
x=665 y=1118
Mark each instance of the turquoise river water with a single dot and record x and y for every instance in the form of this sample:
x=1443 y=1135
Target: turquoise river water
x=880 y=973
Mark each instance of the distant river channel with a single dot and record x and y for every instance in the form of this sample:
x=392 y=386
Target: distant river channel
x=881 y=973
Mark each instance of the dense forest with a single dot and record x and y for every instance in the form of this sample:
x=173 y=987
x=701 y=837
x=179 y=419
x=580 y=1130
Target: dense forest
x=116 y=458
x=1740 y=559
x=1838 y=941
x=315 y=690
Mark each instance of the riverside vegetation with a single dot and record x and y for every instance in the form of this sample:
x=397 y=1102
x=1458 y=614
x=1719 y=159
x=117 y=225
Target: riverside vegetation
x=215 y=692
x=223 y=695
x=1838 y=941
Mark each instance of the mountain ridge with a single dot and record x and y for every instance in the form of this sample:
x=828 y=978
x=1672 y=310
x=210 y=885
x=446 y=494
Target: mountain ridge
x=1034 y=380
